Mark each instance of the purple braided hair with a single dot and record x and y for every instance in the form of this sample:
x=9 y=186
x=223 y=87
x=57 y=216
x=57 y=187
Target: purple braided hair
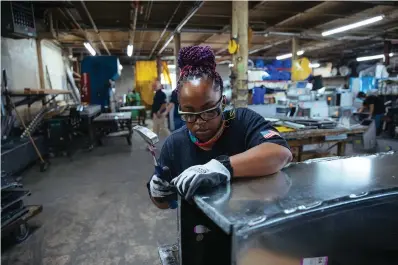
x=198 y=61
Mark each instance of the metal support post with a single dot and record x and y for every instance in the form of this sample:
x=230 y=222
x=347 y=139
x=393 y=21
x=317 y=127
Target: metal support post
x=177 y=47
x=240 y=11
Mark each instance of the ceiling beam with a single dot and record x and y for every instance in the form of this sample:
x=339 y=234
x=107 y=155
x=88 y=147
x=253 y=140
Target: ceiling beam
x=227 y=27
x=133 y=22
x=333 y=40
x=95 y=27
x=165 y=29
x=306 y=12
x=146 y=18
x=85 y=33
x=196 y=7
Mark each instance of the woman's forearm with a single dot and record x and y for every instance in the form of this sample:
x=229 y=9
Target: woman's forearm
x=261 y=160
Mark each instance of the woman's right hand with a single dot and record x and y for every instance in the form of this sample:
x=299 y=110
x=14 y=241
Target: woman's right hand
x=159 y=186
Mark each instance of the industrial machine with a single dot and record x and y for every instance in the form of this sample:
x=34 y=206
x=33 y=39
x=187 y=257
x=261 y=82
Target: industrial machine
x=98 y=76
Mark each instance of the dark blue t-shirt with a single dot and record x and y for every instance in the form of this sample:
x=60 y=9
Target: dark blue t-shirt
x=174 y=99
x=258 y=95
x=158 y=100
x=248 y=129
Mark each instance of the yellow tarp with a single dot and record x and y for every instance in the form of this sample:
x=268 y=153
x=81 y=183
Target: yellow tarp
x=145 y=74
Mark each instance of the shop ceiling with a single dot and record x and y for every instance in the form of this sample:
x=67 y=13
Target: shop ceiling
x=149 y=25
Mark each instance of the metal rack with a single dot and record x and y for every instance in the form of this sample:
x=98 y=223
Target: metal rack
x=14 y=213
x=29 y=96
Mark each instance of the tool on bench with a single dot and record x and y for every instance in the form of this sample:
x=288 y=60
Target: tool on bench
x=151 y=139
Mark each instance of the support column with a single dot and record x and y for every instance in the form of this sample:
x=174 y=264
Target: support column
x=387 y=50
x=177 y=47
x=40 y=63
x=159 y=67
x=234 y=72
x=295 y=48
x=240 y=17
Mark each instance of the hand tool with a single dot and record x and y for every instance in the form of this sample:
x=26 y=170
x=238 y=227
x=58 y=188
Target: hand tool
x=151 y=139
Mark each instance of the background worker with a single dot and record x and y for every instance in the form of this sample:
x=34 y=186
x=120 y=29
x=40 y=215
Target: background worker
x=178 y=122
x=130 y=98
x=216 y=145
x=159 y=110
x=375 y=106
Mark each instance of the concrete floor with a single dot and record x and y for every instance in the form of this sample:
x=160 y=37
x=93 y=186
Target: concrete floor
x=96 y=210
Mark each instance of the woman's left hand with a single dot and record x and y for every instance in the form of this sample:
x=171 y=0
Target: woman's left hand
x=208 y=175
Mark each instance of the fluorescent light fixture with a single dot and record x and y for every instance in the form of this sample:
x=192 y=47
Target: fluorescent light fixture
x=130 y=48
x=315 y=65
x=289 y=55
x=372 y=57
x=230 y=65
x=89 y=48
x=353 y=26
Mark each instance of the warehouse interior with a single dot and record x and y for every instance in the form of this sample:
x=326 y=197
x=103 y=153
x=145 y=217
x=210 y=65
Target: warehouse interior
x=80 y=81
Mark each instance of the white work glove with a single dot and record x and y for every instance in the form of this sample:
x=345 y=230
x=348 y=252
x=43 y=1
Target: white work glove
x=160 y=188
x=208 y=175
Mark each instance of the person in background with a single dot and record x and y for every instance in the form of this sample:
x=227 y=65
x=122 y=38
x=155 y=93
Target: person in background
x=178 y=122
x=216 y=144
x=375 y=106
x=142 y=112
x=130 y=98
x=159 y=109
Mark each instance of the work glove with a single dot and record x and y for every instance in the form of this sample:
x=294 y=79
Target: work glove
x=159 y=187
x=208 y=175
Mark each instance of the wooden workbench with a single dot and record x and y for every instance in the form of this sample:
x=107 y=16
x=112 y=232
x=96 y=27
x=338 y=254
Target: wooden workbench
x=298 y=139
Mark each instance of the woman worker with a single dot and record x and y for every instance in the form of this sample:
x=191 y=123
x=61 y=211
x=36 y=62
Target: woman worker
x=215 y=145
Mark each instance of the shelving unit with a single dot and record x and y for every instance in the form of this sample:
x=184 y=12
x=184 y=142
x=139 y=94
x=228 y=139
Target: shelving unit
x=29 y=96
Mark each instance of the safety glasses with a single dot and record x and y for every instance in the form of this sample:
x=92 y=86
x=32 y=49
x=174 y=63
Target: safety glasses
x=205 y=115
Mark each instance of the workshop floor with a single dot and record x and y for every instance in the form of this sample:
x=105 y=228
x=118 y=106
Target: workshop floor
x=96 y=210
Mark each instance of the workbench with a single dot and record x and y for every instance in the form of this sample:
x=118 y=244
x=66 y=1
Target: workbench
x=116 y=124
x=140 y=109
x=344 y=210
x=338 y=136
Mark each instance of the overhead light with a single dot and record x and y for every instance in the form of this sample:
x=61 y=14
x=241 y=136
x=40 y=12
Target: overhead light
x=289 y=55
x=353 y=26
x=314 y=65
x=373 y=57
x=230 y=65
x=90 y=48
x=130 y=50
